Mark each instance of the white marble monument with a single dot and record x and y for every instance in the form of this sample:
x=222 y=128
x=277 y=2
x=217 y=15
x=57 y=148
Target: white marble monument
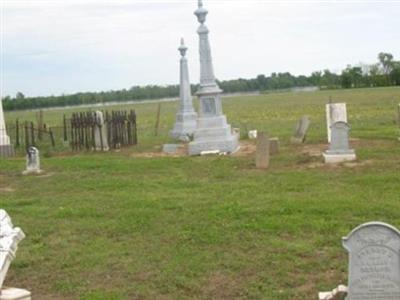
x=186 y=117
x=335 y=112
x=100 y=133
x=213 y=133
x=32 y=162
x=339 y=148
x=6 y=148
x=10 y=236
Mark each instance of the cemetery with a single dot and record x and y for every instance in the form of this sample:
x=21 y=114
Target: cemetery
x=281 y=196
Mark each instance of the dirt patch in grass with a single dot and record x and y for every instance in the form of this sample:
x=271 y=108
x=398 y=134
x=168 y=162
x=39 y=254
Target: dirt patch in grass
x=6 y=190
x=222 y=286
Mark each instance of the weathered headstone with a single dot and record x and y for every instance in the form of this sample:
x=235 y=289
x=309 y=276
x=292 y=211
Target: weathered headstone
x=32 y=162
x=186 y=117
x=212 y=132
x=100 y=133
x=10 y=236
x=339 y=149
x=374 y=262
x=6 y=148
x=262 y=151
x=273 y=146
x=301 y=130
x=335 y=112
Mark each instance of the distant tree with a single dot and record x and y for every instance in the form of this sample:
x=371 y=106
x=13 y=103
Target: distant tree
x=395 y=73
x=19 y=95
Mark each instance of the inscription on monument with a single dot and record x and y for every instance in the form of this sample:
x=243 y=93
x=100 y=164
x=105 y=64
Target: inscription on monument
x=374 y=268
x=209 y=108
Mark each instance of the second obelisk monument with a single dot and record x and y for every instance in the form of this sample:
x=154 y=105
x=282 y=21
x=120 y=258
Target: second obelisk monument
x=212 y=132
x=186 y=117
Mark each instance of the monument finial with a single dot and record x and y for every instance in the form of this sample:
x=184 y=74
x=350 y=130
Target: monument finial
x=182 y=49
x=201 y=12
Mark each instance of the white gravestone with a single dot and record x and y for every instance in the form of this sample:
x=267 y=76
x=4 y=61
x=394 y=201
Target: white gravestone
x=335 y=112
x=10 y=236
x=32 y=161
x=339 y=149
x=100 y=133
x=186 y=117
x=374 y=262
x=6 y=149
x=213 y=133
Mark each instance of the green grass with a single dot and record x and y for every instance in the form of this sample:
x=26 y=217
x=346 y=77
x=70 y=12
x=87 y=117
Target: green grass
x=120 y=226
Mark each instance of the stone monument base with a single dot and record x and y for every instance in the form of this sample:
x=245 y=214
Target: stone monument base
x=185 y=126
x=14 y=294
x=213 y=133
x=6 y=151
x=32 y=172
x=334 y=158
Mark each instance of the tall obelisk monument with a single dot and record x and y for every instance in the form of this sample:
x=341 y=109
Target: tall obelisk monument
x=6 y=149
x=186 y=117
x=213 y=132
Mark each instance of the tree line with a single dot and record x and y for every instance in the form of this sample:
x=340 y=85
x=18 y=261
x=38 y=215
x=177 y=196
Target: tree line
x=385 y=72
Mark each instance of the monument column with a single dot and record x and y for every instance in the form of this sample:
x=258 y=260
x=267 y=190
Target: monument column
x=213 y=132
x=6 y=149
x=186 y=117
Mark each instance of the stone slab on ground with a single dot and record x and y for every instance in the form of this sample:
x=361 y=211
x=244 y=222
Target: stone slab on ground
x=337 y=294
x=14 y=294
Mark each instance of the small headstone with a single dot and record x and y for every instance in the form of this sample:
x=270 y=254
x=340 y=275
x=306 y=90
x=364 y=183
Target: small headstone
x=374 y=262
x=273 y=146
x=32 y=162
x=262 y=151
x=335 y=112
x=100 y=133
x=339 y=149
x=10 y=236
x=301 y=130
x=252 y=134
x=170 y=148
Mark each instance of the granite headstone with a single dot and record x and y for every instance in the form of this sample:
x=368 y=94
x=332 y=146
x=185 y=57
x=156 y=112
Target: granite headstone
x=301 y=130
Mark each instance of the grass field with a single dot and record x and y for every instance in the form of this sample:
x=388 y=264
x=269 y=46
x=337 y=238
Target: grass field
x=122 y=226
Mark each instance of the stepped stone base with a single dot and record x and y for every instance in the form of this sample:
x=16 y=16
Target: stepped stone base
x=213 y=133
x=14 y=294
x=185 y=126
x=6 y=151
x=334 y=158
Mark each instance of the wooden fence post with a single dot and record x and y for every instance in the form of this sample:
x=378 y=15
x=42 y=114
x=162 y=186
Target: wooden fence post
x=158 y=119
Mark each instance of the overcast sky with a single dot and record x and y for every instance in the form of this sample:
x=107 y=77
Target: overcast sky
x=67 y=46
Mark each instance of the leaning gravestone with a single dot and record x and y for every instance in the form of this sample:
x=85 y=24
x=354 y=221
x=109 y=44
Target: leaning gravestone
x=262 y=151
x=335 y=112
x=32 y=162
x=10 y=236
x=374 y=262
x=339 y=149
x=301 y=130
x=100 y=133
